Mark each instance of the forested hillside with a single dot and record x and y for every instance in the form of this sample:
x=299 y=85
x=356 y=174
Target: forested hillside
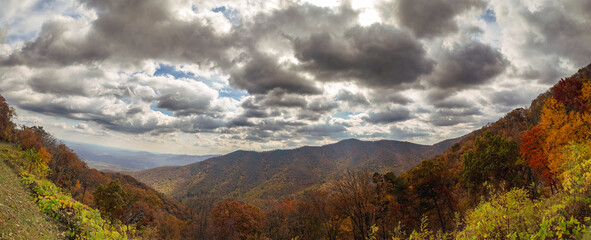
x=272 y=175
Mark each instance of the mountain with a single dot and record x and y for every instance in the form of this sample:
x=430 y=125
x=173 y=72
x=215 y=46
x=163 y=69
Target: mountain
x=118 y=160
x=253 y=176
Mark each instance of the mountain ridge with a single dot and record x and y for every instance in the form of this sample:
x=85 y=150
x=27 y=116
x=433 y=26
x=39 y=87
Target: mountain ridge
x=280 y=173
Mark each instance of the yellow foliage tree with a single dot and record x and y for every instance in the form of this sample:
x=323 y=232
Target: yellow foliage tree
x=563 y=126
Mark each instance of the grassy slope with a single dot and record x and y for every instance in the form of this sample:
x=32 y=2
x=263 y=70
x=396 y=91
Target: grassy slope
x=20 y=218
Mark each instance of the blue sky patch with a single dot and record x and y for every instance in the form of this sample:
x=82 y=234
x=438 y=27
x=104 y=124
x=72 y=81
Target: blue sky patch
x=236 y=94
x=343 y=115
x=164 y=70
x=165 y=112
x=229 y=13
x=489 y=16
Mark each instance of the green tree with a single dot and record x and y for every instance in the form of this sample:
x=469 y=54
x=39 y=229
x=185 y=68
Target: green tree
x=110 y=198
x=493 y=159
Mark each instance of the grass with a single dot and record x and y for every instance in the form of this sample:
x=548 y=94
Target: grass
x=20 y=218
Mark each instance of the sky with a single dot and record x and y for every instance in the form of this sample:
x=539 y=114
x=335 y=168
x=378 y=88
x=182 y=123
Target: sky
x=212 y=77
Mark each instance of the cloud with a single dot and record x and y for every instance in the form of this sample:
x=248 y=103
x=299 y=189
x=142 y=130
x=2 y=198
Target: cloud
x=351 y=98
x=451 y=117
x=511 y=98
x=430 y=18
x=322 y=130
x=468 y=66
x=378 y=56
x=262 y=74
x=124 y=32
x=388 y=116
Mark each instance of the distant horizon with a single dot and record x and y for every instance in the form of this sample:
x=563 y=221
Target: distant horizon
x=264 y=150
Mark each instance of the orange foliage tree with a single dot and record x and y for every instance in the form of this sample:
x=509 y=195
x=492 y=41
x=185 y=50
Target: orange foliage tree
x=562 y=124
x=533 y=152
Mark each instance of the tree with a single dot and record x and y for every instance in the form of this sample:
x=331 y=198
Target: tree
x=532 y=151
x=356 y=198
x=431 y=181
x=562 y=126
x=110 y=198
x=6 y=124
x=323 y=206
x=568 y=92
x=493 y=159
x=232 y=219
x=29 y=137
x=200 y=207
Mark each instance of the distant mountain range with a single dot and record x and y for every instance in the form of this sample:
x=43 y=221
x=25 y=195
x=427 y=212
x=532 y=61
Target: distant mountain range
x=254 y=176
x=118 y=160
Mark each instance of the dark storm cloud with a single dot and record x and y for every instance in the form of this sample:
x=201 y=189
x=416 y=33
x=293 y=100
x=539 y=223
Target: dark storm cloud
x=388 y=96
x=511 y=98
x=451 y=117
x=399 y=133
x=388 y=116
x=452 y=103
x=321 y=106
x=351 y=98
x=125 y=31
x=322 y=130
x=63 y=83
x=263 y=74
x=429 y=18
x=558 y=32
x=469 y=66
x=302 y=20
x=374 y=56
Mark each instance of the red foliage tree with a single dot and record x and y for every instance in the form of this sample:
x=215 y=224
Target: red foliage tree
x=532 y=151
x=568 y=92
x=29 y=138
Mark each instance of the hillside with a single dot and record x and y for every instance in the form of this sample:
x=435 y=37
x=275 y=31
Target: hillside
x=277 y=174
x=116 y=159
x=20 y=218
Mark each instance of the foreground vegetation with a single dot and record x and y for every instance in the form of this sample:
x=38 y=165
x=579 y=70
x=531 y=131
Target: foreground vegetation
x=20 y=217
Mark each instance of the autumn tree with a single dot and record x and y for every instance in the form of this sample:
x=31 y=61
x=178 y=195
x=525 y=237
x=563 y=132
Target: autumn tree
x=563 y=125
x=322 y=206
x=290 y=218
x=6 y=124
x=432 y=183
x=568 y=92
x=533 y=152
x=232 y=219
x=395 y=209
x=30 y=137
x=356 y=198
x=200 y=207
